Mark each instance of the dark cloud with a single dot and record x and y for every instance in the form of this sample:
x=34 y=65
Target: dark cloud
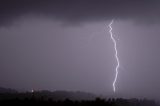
x=82 y=10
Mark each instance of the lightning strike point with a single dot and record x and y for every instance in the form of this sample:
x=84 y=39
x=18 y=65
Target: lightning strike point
x=116 y=55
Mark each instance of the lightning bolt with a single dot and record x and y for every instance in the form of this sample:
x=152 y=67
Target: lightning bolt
x=116 y=54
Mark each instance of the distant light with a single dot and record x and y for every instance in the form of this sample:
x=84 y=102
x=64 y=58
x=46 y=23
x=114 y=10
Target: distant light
x=32 y=91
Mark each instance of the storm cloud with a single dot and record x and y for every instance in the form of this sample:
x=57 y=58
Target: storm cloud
x=144 y=11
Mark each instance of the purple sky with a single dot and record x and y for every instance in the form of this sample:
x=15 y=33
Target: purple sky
x=65 y=45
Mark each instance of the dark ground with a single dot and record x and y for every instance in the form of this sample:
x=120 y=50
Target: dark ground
x=37 y=99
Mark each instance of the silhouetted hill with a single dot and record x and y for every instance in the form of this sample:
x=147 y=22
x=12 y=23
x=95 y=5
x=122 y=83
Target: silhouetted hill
x=74 y=95
x=64 y=98
x=67 y=102
x=56 y=95
x=7 y=90
x=62 y=95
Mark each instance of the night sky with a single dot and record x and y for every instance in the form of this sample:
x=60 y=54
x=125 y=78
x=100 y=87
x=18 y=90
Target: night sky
x=66 y=45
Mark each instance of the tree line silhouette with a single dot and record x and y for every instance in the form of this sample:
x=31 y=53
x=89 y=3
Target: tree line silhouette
x=42 y=101
x=12 y=97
